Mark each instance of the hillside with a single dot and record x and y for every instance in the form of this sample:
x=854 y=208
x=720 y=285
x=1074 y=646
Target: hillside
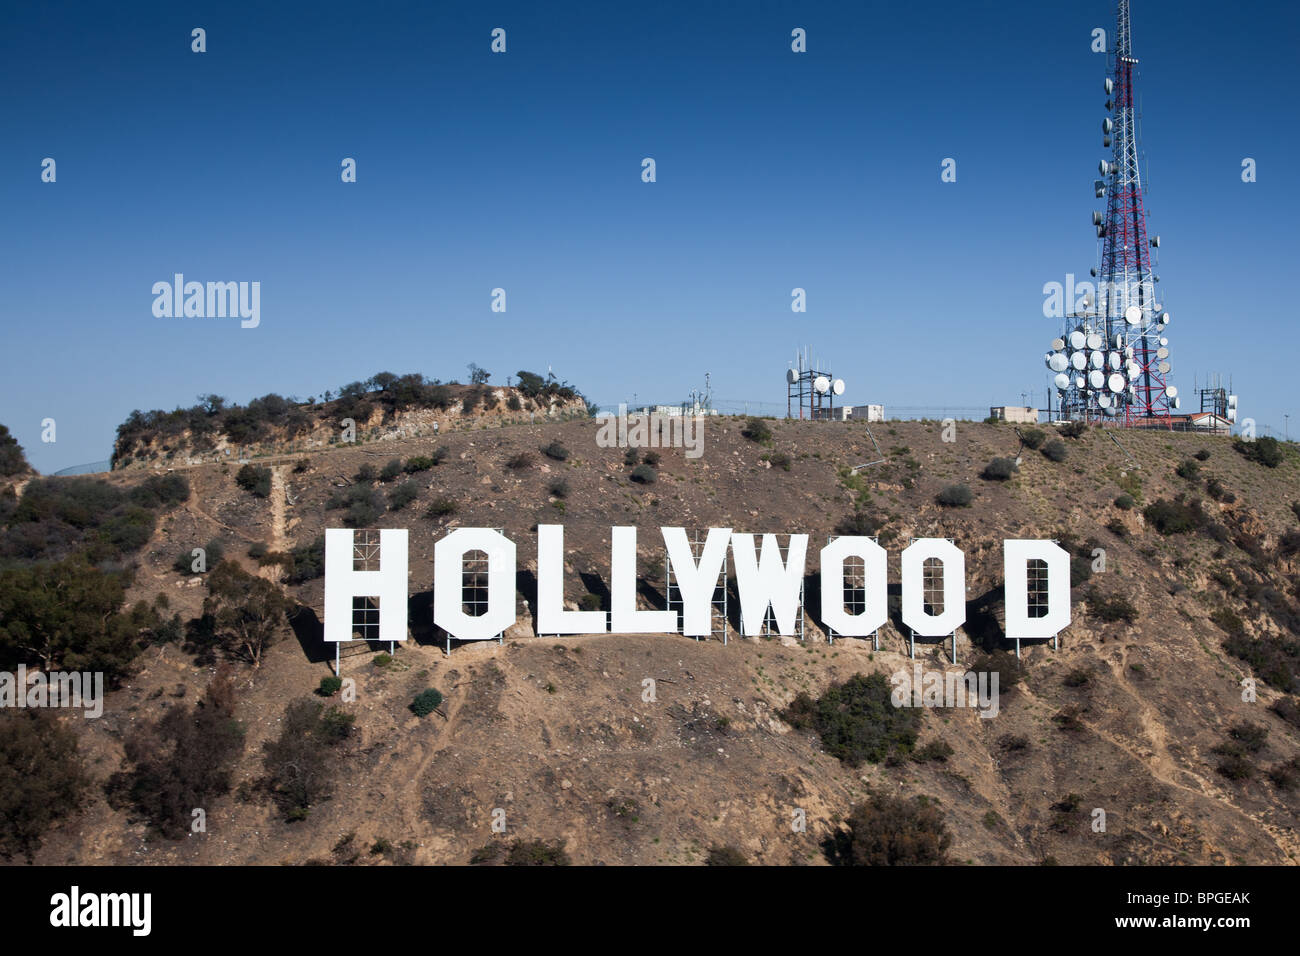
x=1132 y=717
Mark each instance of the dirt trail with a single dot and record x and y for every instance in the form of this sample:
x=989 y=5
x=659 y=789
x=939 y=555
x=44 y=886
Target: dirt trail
x=278 y=542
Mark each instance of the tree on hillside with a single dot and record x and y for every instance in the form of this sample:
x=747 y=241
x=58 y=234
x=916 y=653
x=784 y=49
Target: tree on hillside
x=183 y=760
x=66 y=615
x=249 y=613
x=530 y=383
x=12 y=459
x=478 y=376
x=299 y=764
x=42 y=778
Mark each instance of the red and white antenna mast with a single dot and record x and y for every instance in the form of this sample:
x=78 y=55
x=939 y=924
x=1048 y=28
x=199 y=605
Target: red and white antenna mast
x=1125 y=283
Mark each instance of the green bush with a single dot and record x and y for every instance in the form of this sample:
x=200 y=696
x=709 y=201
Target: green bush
x=780 y=460
x=161 y=491
x=1078 y=677
x=1251 y=737
x=1055 y=451
x=725 y=856
x=520 y=461
x=1112 y=608
x=300 y=764
x=329 y=686
x=69 y=615
x=1073 y=429
x=858 y=524
x=43 y=778
x=441 y=507
x=755 y=429
x=1202 y=455
x=999 y=469
x=12 y=459
x=182 y=760
x=1125 y=502
x=1263 y=451
x=308 y=562
x=893 y=831
x=1011 y=672
x=1033 y=438
x=1174 y=517
x=426 y=702
x=255 y=480
x=1217 y=490
x=362 y=505
x=418 y=463
x=537 y=853
x=652 y=458
x=644 y=475
x=213 y=553
x=857 y=720
x=1188 y=470
x=558 y=487
x=954 y=496
x=403 y=495
x=390 y=470
x=935 y=751
x=555 y=451
x=59 y=517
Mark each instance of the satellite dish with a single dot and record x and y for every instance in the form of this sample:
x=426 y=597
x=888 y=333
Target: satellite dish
x=1077 y=339
x=1097 y=359
x=1165 y=368
x=1116 y=382
x=1118 y=340
x=1164 y=341
x=822 y=384
x=1116 y=361
x=1104 y=167
x=1172 y=391
x=1058 y=362
x=1110 y=85
x=1178 y=403
x=1155 y=243
x=1062 y=381
x=1080 y=382
x=1133 y=315
x=1113 y=410
x=1058 y=344
x=1097 y=379
x=1095 y=341
x=1165 y=318
x=1107 y=125
x=1162 y=353
x=837 y=386
x=1079 y=360
x=1096 y=218
x=1103 y=401
x=791 y=376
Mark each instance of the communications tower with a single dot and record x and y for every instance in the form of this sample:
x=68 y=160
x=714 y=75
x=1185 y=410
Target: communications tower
x=1112 y=359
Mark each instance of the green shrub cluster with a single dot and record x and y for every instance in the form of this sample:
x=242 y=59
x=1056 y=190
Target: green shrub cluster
x=857 y=720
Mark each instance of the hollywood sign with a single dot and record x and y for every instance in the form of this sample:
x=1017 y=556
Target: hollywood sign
x=766 y=579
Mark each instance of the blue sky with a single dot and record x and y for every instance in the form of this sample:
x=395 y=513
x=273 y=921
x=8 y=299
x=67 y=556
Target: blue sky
x=522 y=171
